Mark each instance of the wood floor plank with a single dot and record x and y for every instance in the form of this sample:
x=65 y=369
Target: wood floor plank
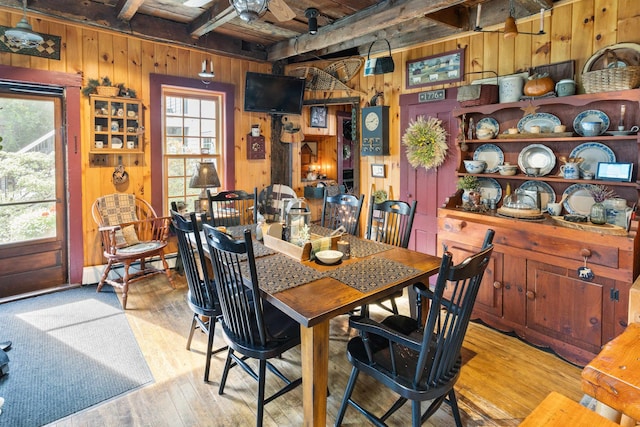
x=502 y=381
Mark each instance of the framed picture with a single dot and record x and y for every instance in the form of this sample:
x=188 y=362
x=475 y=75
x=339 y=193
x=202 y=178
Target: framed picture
x=318 y=117
x=436 y=69
x=379 y=170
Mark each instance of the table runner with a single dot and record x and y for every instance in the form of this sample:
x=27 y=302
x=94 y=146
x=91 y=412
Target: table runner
x=369 y=274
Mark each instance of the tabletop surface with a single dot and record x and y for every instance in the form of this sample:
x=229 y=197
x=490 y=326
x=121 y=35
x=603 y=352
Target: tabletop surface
x=613 y=376
x=311 y=293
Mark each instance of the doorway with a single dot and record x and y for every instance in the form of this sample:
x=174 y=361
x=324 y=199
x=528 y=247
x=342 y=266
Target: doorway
x=348 y=155
x=33 y=201
x=430 y=188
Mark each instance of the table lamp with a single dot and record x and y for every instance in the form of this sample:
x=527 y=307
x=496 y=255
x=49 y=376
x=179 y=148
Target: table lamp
x=204 y=177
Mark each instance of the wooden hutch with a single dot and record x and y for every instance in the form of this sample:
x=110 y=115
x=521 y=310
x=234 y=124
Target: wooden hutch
x=532 y=287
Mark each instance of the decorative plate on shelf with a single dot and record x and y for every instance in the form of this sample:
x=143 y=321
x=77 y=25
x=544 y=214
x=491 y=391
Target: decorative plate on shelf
x=546 y=122
x=547 y=195
x=593 y=153
x=579 y=199
x=489 y=123
x=591 y=116
x=537 y=156
x=490 y=189
x=492 y=156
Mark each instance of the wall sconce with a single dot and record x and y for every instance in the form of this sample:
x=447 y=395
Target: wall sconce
x=23 y=36
x=312 y=14
x=510 y=27
x=205 y=75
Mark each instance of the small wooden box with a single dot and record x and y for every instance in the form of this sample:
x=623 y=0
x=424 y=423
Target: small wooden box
x=274 y=241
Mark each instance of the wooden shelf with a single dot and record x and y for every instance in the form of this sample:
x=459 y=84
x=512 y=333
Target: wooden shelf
x=116 y=117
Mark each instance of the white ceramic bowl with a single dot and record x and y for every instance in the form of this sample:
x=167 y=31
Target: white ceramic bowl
x=475 y=166
x=507 y=169
x=329 y=257
x=484 y=133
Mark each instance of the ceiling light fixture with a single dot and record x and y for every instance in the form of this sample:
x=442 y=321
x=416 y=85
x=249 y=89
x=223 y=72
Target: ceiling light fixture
x=510 y=27
x=312 y=14
x=23 y=36
x=250 y=10
x=205 y=75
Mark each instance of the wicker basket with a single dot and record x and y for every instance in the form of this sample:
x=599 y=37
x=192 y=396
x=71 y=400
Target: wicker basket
x=108 y=90
x=614 y=78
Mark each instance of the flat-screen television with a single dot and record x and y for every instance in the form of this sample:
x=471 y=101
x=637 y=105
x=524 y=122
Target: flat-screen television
x=270 y=93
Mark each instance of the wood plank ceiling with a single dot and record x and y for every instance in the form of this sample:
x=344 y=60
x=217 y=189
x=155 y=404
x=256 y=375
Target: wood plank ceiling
x=346 y=27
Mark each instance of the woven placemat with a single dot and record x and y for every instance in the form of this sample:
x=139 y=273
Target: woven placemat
x=319 y=230
x=280 y=272
x=370 y=274
x=361 y=248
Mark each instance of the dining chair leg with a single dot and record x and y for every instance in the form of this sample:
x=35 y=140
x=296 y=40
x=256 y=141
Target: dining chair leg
x=105 y=274
x=225 y=372
x=125 y=284
x=453 y=402
x=210 y=334
x=415 y=413
x=167 y=271
x=262 y=372
x=191 y=331
x=347 y=395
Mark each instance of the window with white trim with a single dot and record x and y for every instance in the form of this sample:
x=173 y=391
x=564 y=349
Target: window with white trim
x=193 y=132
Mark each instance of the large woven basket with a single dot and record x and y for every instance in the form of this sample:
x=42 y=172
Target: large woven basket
x=108 y=90
x=613 y=78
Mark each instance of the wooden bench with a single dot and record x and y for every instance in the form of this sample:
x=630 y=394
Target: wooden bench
x=559 y=411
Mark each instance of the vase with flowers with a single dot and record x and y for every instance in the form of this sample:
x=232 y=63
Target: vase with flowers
x=598 y=213
x=468 y=184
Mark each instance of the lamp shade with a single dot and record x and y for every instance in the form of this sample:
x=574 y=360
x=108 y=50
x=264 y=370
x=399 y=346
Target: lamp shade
x=22 y=36
x=250 y=10
x=205 y=176
x=510 y=28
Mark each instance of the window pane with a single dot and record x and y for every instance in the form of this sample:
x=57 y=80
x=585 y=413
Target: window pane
x=209 y=109
x=192 y=107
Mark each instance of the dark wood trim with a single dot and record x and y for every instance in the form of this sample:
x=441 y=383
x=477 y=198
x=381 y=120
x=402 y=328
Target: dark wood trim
x=72 y=140
x=156 y=81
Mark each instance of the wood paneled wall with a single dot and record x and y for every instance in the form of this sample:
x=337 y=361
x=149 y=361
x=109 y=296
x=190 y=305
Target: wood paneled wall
x=575 y=30
x=129 y=60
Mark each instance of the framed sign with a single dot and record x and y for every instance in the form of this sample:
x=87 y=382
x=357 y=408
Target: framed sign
x=614 y=171
x=436 y=69
x=378 y=170
x=318 y=117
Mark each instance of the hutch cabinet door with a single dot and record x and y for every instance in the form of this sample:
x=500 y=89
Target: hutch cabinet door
x=564 y=307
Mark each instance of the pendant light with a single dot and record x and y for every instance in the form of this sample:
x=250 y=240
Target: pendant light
x=312 y=14
x=250 y=10
x=510 y=27
x=207 y=73
x=23 y=36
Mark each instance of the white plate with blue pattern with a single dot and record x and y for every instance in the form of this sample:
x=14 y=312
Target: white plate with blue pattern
x=591 y=116
x=545 y=121
x=579 y=199
x=490 y=189
x=593 y=153
x=489 y=123
x=491 y=155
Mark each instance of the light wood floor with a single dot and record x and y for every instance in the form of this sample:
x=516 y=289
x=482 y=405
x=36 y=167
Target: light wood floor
x=503 y=380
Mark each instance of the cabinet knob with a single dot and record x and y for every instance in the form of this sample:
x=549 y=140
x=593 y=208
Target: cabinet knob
x=454 y=226
x=585 y=253
x=497 y=284
x=531 y=295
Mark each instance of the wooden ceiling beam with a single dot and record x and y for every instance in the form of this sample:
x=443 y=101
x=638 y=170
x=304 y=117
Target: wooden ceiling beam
x=370 y=20
x=127 y=8
x=102 y=16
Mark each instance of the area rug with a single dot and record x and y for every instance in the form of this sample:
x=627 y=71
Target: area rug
x=71 y=350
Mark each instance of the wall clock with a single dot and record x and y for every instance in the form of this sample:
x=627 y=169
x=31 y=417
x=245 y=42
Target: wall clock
x=375 y=131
